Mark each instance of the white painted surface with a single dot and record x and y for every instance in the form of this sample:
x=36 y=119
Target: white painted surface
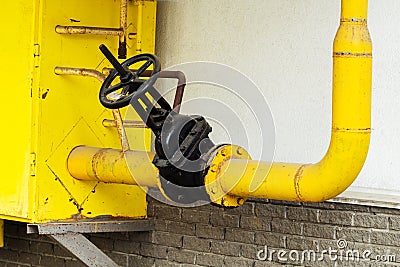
x=285 y=47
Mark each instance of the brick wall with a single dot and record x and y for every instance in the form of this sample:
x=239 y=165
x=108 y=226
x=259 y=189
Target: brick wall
x=211 y=236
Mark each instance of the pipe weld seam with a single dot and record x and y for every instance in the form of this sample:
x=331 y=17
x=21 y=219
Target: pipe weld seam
x=353 y=130
x=354 y=20
x=351 y=54
x=297 y=178
x=95 y=159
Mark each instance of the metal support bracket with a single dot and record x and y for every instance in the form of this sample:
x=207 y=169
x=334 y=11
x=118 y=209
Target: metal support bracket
x=84 y=250
x=69 y=235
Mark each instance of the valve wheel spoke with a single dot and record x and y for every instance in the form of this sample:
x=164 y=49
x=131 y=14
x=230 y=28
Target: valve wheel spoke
x=130 y=82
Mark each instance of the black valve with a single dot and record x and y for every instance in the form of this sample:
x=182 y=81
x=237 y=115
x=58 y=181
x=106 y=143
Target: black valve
x=181 y=142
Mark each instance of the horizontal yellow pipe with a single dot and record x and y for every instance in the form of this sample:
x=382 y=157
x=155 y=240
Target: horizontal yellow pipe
x=113 y=166
x=351 y=127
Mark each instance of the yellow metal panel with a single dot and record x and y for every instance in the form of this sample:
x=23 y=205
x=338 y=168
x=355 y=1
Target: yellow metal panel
x=16 y=52
x=71 y=114
x=52 y=114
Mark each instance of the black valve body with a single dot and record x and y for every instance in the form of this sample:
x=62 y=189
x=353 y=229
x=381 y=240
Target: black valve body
x=181 y=141
x=183 y=163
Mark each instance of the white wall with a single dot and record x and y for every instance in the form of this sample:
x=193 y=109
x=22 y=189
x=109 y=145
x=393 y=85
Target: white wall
x=285 y=47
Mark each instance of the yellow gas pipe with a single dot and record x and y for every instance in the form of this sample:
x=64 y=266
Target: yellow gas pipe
x=351 y=127
x=111 y=166
x=231 y=173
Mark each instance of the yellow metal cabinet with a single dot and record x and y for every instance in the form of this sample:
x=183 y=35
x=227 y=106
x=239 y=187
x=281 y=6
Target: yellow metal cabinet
x=44 y=115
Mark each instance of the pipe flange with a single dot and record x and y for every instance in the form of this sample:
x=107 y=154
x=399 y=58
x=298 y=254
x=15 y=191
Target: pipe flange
x=214 y=189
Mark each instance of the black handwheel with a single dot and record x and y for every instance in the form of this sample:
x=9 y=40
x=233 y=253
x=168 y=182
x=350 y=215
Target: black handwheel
x=129 y=81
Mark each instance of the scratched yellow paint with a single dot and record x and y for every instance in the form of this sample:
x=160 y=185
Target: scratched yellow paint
x=47 y=115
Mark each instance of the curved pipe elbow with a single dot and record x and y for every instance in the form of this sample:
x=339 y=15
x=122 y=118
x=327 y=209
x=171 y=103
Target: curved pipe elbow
x=300 y=182
x=337 y=170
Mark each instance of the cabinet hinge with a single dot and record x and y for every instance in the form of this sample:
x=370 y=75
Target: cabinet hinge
x=36 y=55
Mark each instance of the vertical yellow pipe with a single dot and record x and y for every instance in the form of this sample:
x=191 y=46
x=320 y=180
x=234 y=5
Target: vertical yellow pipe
x=351 y=127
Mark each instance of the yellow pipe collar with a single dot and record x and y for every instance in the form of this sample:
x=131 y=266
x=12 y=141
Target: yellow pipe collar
x=214 y=189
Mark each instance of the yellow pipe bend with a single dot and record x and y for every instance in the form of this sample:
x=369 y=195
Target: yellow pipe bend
x=351 y=127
